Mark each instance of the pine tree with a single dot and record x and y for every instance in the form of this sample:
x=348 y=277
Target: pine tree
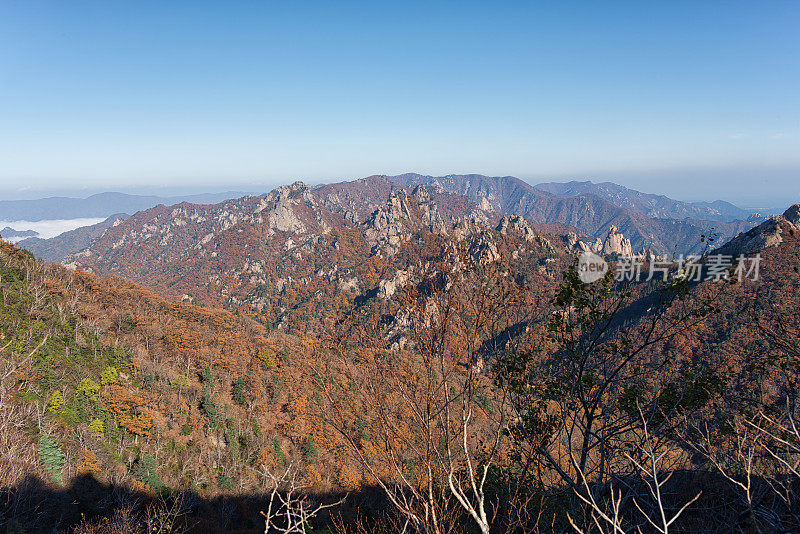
x=207 y=403
x=280 y=456
x=209 y=408
x=52 y=459
x=146 y=470
x=238 y=391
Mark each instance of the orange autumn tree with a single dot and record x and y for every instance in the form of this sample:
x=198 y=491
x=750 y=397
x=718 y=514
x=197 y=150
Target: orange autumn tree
x=129 y=408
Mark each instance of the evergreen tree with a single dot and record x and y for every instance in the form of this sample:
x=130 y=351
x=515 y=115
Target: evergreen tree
x=52 y=459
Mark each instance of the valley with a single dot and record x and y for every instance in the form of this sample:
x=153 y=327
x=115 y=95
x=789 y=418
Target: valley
x=191 y=351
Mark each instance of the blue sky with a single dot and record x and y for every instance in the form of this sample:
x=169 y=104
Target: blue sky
x=691 y=99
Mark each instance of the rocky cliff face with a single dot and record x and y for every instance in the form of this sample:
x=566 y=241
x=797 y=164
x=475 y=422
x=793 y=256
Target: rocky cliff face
x=768 y=234
x=394 y=223
x=616 y=244
x=518 y=224
x=285 y=207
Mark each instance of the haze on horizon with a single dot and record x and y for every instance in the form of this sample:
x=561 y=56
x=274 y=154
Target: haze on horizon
x=693 y=100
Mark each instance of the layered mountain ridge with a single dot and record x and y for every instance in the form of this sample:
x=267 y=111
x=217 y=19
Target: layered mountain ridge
x=125 y=377
x=658 y=206
x=292 y=253
x=297 y=251
x=588 y=213
x=98 y=205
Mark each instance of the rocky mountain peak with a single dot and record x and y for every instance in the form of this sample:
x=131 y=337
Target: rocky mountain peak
x=421 y=194
x=393 y=223
x=518 y=225
x=616 y=244
x=282 y=209
x=768 y=234
x=294 y=190
x=792 y=214
x=574 y=244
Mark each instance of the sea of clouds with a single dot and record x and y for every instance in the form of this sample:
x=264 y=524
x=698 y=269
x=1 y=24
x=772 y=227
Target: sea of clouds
x=49 y=228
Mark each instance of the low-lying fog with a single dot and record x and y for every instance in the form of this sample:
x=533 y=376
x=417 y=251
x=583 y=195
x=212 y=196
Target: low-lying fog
x=49 y=228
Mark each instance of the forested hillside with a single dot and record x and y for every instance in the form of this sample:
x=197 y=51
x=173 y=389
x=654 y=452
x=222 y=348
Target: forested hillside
x=296 y=255
x=479 y=389
x=104 y=378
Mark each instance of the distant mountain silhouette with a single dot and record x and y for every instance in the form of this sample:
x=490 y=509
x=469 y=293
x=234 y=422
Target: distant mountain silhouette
x=59 y=247
x=588 y=213
x=9 y=232
x=99 y=205
x=649 y=204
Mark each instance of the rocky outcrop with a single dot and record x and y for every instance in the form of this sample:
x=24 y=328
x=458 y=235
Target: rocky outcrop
x=464 y=229
x=394 y=223
x=286 y=203
x=516 y=224
x=349 y=284
x=387 y=288
x=574 y=244
x=484 y=251
x=429 y=210
x=616 y=244
x=767 y=234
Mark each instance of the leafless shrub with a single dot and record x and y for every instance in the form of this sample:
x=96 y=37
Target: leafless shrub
x=162 y=516
x=122 y=522
x=17 y=453
x=420 y=397
x=615 y=510
x=761 y=462
x=290 y=510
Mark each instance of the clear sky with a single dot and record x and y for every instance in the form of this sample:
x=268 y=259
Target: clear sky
x=696 y=99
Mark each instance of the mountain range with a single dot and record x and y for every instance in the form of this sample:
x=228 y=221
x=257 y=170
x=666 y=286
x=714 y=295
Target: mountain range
x=585 y=211
x=290 y=253
x=651 y=222
x=99 y=205
x=194 y=347
x=658 y=206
